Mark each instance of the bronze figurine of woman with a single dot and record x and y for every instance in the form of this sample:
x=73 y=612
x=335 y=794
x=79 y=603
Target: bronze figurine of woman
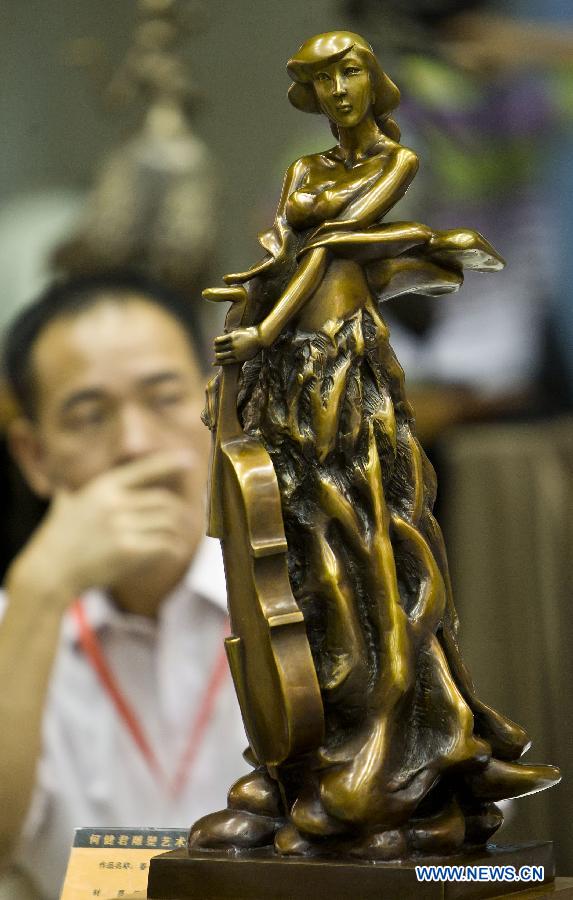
x=409 y=760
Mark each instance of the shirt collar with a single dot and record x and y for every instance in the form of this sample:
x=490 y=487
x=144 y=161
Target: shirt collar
x=204 y=578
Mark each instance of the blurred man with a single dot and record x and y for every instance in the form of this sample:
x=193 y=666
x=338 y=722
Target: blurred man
x=116 y=707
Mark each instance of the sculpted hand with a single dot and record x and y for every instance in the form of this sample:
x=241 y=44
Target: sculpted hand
x=120 y=523
x=238 y=345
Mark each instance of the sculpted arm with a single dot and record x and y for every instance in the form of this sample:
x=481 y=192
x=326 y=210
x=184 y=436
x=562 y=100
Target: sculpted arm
x=244 y=343
x=306 y=279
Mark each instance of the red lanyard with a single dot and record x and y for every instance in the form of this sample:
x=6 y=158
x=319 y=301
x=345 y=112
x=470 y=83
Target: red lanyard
x=91 y=646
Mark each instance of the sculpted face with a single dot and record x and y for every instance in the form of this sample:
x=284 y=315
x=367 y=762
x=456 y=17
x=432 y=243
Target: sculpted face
x=344 y=91
x=116 y=382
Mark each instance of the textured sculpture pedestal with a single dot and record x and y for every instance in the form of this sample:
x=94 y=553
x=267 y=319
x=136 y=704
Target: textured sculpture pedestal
x=261 y=875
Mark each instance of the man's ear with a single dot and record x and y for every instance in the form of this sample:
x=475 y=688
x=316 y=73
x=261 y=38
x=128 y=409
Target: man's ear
x=26 y=448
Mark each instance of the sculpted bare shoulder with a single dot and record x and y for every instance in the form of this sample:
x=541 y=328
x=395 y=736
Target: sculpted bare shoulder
x=407 y=157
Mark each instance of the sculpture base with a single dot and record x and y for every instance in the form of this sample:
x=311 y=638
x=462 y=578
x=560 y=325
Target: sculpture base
x=257 y=874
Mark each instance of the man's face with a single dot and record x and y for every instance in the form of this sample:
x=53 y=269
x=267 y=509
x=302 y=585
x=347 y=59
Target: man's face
x=117 y=382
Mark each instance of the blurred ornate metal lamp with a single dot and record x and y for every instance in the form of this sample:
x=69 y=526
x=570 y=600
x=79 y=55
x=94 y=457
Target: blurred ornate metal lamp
x=152 y=207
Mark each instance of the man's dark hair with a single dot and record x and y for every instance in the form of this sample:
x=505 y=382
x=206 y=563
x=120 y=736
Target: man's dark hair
x=71 y=296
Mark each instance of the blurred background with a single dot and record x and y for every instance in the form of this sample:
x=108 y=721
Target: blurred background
x=155 y=133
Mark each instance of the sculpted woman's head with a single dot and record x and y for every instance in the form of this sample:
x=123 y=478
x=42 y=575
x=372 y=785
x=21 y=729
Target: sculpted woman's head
x=336 y=73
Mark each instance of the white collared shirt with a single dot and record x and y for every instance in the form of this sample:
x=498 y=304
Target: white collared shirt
x=90 y=772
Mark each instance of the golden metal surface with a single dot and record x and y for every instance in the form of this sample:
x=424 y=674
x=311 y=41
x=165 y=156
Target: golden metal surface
x=360 y=712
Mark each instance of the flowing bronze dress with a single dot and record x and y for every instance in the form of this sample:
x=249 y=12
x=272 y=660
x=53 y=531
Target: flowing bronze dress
x=406 y=738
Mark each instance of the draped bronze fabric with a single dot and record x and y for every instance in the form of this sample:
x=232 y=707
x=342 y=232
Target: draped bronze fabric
x=367 y=565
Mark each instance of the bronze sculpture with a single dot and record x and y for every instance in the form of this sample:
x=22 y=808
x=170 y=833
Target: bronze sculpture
x=365 y=730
